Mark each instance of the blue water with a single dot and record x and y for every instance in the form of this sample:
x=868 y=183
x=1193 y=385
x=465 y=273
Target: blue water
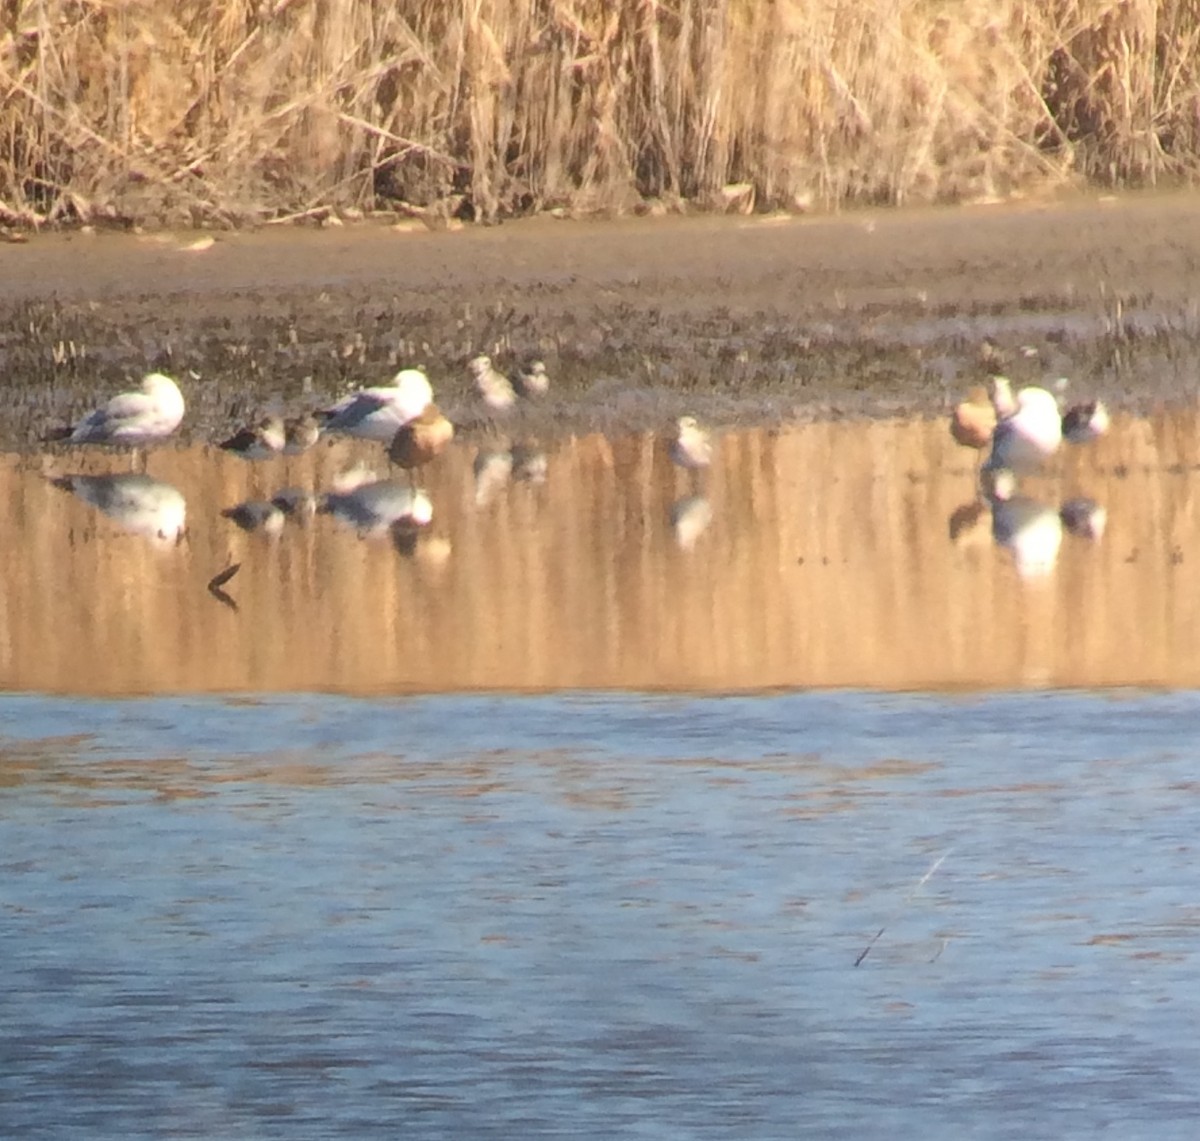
x=600 y=917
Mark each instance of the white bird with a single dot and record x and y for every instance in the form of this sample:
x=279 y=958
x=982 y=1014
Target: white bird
x=1030 y=435
x=139 y=503
x=379 y=413
x=375 y=507
x=495 y=388
x=692 y=446
x=133 y=418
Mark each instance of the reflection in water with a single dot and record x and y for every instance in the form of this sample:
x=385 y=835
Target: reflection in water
x=257 y=515
x=372 y=508
x=817 y=556
x=138 y=503
x=690 y=518
x=1031 y=531
x=493 y=466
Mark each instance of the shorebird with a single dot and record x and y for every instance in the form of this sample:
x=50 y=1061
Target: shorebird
x=300 y=433
x=1082 y=423
x=974 y=419
x=378 y=413
x=692 y=447
x=134 y=418
x=532 y=379
x=1030 y=435
x=495 y=388
x=138 y=503
x=266 y=438
x=421 y=440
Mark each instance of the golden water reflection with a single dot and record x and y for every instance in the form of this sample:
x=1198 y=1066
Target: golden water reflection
x=827 y=554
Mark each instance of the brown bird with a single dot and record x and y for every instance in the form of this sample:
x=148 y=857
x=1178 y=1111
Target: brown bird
x=421 y=440
x=974 y=420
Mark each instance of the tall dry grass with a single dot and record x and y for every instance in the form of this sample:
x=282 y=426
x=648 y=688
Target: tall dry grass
x=241 y=109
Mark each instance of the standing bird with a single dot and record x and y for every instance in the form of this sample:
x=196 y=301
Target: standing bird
x=495 y=388
x=974 y=419
x=1082 y=423
x=265 y=439
x=377 y=413
x=421 y=440
x=134 y=418
x=532 y=379
x=1033 y=433
x=692 y=446
x=300 y=433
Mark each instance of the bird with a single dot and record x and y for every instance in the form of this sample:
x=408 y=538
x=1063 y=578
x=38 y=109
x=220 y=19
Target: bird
x=266 y=438
x=532 y=379
x=134 y=418
x=974 y=419
x=378 y=505
x=1029 y=435
x=421 y=440
x=691 y=447
x=300 y=433
x=1082 y=423
x=377 y=413
x=495 y=388
x=138 y=503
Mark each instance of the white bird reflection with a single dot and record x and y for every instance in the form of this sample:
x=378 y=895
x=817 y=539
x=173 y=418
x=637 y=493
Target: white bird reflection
x=1031 y=531
x=690 y=518
x=138 y=503
x=373 y=508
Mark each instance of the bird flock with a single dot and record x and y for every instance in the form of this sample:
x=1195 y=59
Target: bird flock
x=1015 y=433
x=1019 y=432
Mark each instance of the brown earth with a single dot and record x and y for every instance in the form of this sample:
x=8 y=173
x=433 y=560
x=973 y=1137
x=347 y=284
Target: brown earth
x=754 y=319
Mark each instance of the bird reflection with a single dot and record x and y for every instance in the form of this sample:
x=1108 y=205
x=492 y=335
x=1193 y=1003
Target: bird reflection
x=372 y=508
x=493 y=466
x=138 y=503
x=1031 y=531
x=529 y=462
x=690 y=518
x=257 y=515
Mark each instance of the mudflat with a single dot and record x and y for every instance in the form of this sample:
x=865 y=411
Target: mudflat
x=746 y=319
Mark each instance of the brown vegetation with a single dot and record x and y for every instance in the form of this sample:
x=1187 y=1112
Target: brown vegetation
x=232 y=110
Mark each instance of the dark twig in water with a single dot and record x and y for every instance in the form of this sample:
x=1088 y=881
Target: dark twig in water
x=219 y=580
x=916 y=888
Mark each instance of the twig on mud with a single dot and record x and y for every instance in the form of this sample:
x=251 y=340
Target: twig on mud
x=903 y=903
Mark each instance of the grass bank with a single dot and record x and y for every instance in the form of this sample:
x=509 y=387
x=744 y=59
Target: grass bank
x=241 y=110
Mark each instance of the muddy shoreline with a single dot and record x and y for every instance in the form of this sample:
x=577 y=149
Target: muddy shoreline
x=748 y=320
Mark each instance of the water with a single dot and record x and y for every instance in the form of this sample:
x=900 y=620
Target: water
x=600 y=915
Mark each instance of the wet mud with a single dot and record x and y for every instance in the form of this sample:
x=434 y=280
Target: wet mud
x=748 y=320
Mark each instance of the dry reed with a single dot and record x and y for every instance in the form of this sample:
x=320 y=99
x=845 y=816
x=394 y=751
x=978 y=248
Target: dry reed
x=233 y=110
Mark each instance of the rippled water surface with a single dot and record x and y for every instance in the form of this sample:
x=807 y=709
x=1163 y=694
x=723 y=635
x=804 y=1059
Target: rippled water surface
x=832 y=914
